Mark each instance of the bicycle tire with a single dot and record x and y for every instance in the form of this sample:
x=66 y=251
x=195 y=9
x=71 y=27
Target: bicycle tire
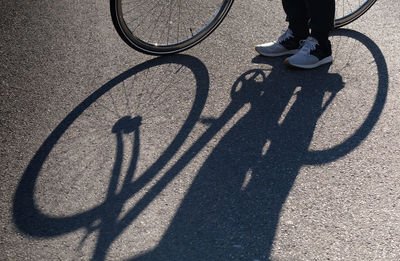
x=347 y=12
x=147 y=10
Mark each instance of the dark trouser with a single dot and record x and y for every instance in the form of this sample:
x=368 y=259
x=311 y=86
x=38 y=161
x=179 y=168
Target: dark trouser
x=317 y=15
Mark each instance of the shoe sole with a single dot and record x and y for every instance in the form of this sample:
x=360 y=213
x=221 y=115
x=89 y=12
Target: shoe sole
x=326 y=60
x=289 y=52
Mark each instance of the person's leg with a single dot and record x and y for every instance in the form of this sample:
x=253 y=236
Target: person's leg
x=316 y=50
x=322 y=18
x=298 y=17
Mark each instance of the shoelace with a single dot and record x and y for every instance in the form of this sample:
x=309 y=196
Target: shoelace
x=308 y=45
x=288 y=34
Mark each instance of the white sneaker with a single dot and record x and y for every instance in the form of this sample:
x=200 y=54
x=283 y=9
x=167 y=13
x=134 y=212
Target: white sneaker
x=311 y=55
x=286 y=44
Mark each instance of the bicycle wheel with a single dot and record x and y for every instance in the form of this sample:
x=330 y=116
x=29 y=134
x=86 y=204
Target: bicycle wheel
x=349 y=10
x=165 y=27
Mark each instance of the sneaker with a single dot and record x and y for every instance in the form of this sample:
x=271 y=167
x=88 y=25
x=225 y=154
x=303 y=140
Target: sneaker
x=311 y=55
x=286 y=44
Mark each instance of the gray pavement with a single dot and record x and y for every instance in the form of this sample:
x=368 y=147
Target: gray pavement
x=213 y=154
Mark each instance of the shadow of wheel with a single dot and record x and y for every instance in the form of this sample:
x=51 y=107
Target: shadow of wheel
x=82 y=147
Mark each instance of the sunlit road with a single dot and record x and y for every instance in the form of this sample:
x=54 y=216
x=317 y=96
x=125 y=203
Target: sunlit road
x=212 y=154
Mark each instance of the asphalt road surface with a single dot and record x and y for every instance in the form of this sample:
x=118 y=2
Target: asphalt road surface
x=212 y=154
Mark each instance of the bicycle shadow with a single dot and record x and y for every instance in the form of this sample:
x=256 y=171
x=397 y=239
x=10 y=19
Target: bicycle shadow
x=232 y=208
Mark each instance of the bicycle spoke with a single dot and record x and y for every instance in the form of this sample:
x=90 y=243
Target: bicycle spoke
x=166 y=23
